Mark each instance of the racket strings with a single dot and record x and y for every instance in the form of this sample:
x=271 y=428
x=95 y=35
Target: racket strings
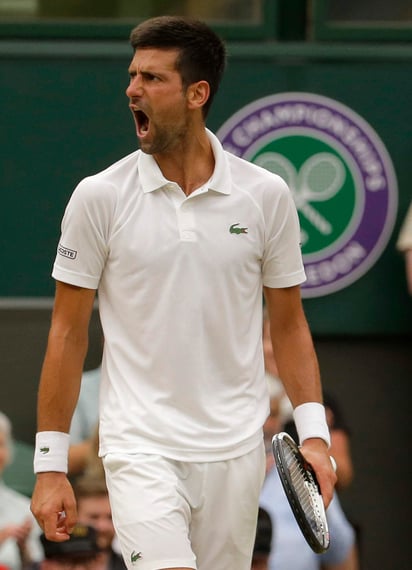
x=302 y=491
x=306 y=489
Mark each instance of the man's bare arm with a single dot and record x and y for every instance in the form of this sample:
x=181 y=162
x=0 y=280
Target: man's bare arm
x=292 y=345
x=299 y=371
x=64 y=359
x=53 y=502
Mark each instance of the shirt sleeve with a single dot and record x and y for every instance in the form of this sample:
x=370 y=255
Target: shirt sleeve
x=83 y=246
x=282 y=260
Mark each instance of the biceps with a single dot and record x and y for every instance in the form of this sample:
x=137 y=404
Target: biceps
x=284 y=308
x=72 y=311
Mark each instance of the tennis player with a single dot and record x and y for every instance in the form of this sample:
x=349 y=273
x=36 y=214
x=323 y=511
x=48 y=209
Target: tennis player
x=180 y=238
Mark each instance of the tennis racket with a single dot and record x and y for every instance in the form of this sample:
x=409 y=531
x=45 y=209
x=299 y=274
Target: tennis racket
x=302 y=491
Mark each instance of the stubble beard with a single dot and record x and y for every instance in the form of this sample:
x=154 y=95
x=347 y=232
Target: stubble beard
x=165 y=139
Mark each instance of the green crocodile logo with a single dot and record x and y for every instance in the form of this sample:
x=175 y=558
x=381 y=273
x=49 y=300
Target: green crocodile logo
x=235 y=230
x=44 y=450
x=135 y=556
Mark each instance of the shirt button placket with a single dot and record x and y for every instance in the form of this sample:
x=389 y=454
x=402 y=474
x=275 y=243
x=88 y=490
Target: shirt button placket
x=186 y=222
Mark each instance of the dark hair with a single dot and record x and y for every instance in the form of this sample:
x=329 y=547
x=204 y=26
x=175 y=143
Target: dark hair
x=202 y=53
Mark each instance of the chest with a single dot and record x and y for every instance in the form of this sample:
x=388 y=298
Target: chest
x=204 y=232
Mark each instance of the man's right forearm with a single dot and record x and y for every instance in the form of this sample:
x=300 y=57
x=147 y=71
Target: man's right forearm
x=61 y=375
x=60 y=383
x=63 y=363
x=58 y=395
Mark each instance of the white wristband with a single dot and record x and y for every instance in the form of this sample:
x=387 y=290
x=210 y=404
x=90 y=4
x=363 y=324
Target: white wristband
x=51 y=451
x=310 y=421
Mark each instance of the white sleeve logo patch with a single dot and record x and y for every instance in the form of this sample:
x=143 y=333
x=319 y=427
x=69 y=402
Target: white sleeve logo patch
x=66 y=252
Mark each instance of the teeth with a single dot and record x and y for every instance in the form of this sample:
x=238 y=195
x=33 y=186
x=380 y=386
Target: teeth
x=142 y=120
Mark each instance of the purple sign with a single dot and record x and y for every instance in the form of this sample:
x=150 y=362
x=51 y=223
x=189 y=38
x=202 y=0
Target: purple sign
x=339 y=172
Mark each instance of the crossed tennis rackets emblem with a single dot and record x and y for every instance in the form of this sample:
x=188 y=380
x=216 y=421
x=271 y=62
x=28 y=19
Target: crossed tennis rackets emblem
x=319 y=179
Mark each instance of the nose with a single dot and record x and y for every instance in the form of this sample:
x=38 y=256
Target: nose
x=134 y=89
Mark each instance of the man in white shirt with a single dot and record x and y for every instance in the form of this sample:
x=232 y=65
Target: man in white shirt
x=180 y=238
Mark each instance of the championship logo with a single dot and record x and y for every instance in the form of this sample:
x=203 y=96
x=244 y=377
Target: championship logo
x=339 y=172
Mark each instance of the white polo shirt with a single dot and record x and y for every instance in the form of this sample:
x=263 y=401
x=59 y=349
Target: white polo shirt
x=180 y=281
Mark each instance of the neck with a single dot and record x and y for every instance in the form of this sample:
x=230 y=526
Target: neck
x=190 y=164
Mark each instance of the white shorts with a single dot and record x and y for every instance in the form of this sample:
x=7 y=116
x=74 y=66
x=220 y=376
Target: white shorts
x=174 y=514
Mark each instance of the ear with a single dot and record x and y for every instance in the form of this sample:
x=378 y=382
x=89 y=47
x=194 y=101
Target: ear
x=197 y=94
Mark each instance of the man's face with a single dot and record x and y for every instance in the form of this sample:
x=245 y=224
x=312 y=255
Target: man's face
x=96 y=512
x=157 y=100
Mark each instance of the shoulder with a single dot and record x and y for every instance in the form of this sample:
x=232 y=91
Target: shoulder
x=97 y=196
x=110 y=179
x=244 y=175
x=119 y=168
x=242 y=166
x=263 y=187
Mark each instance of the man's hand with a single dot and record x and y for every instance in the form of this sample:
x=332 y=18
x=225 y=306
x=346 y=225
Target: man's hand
x=316 y=453
x=54 y=506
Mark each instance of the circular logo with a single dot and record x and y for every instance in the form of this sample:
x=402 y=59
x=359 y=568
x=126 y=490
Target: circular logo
x=339 y=172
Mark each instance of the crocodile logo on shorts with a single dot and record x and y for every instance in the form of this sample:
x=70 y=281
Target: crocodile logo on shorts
x=340 y=175
x=235 y=230
x=134 y=556
x=44 y=450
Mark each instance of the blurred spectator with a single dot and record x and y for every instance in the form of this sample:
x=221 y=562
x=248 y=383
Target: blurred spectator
x=339 y=441
x=93 y=465
x=84 y=421
x=93 y=508
x=263 y=541
x=289 y=548
x=19 y=532
x=404 y=245
x=281 y=415
x=80 y=552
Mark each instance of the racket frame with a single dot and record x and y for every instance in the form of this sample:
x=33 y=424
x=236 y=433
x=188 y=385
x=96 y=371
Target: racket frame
x=318 y=541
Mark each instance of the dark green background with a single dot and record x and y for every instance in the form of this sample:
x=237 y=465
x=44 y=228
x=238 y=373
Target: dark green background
x=64 y=115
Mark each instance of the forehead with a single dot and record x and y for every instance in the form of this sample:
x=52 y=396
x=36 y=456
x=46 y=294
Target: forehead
x=154 y=59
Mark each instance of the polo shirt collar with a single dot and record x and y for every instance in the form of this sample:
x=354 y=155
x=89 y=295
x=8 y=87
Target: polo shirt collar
x=151 y=176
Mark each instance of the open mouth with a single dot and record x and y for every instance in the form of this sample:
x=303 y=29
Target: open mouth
x=141 y=120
